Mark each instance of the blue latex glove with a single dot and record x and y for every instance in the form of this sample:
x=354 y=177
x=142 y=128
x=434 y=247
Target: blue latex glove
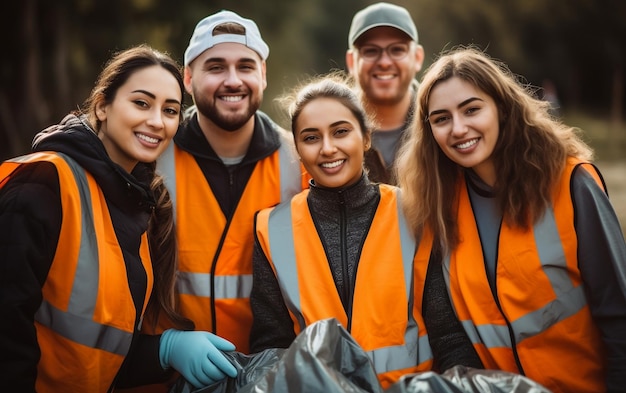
x=196 y=355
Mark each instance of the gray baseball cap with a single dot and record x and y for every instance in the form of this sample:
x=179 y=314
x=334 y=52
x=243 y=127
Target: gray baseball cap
x=381 y=14
x=203 y=38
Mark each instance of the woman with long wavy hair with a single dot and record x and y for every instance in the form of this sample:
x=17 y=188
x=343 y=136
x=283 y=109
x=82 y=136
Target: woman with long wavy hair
x=526 y=250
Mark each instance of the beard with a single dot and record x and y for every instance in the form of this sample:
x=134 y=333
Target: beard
x=228 y=121
x=374 y=96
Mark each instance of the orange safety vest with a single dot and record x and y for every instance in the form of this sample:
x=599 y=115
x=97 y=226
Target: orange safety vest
x=206 y=239
x=540 y=317
x=383 y=321
x=86 y=321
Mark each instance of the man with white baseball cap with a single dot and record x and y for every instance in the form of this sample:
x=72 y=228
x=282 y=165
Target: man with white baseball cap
x=384 y=57
x=228 y=161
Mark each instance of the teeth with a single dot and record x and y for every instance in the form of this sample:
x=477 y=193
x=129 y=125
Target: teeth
x=232 y=98
x=467 y=144
x=332 y=164
x=385 y=77
x=147 y=138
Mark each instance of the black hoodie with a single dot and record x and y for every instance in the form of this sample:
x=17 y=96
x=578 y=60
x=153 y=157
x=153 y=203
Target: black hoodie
x=30 y=222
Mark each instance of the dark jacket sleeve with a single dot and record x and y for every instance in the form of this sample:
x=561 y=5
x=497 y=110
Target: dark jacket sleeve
x=142 y=365
x=30 y=222
x=602 y=262
x=272 y=326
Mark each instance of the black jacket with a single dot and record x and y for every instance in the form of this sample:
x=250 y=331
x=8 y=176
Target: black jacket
x=30 y=222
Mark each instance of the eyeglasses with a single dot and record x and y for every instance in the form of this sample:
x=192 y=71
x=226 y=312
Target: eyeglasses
x=396 y=51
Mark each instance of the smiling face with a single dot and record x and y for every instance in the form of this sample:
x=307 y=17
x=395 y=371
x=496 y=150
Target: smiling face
x=465 y=125
x=330 y=143
x=384 y=81
x=227 y=83
x=142 y=118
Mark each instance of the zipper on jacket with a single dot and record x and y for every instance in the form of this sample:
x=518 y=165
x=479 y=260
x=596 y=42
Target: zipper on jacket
x=347 y=291
x=218 y=251
x=518 y=362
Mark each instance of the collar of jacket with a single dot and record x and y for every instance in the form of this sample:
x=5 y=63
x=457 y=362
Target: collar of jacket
x=352 y=196
x=265 y=139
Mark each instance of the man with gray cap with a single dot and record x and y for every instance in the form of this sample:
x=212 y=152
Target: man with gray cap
x=228 y=161
x=383 y=57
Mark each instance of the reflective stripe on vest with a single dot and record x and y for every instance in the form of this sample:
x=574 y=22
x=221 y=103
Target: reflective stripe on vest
x=547 y=332
x=226 y=287
x=215 y=250
x=87 y=316
x=77 y=323
x=282 y=249
x=569 y=299
x=290 y=176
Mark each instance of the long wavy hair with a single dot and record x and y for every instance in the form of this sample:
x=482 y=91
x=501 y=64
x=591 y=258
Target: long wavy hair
x=529 y=155
x=161 y=234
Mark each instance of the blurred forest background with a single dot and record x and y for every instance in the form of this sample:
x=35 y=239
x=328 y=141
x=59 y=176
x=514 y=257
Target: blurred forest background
x=55 y=49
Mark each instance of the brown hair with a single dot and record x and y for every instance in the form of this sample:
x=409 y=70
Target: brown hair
x=336 y=85
x=119 y=68
x=229 y=28
x=529 y=155
x=164 y=255
x=161 y=233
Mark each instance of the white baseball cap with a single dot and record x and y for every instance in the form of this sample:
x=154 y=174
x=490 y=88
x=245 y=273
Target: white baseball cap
x=203 y=37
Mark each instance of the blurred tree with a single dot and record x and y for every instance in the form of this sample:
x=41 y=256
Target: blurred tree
x=54 y=50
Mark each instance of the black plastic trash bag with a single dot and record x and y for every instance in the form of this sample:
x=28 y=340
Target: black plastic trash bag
x=460 y=379
x=325 y=358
